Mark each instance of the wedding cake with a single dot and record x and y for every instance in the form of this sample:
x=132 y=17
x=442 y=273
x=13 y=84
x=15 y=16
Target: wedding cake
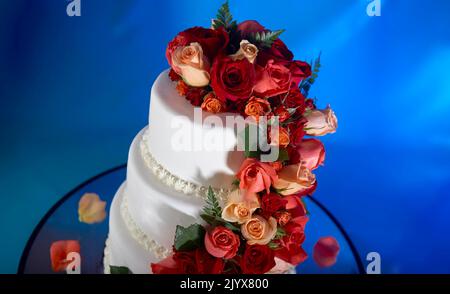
x=193 y=201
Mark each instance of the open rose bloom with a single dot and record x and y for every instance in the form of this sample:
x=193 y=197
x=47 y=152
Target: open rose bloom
x=246 y=69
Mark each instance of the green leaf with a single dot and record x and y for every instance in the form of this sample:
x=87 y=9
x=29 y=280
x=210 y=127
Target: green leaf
x=212 y=206
x=218 y=221
x=119 y=270
x=265 y=39
x=236 y=183
x=224 y=18
x=306 y=84
x=273 y=245
x=280 y=233
x=283 y=155
x=189 y=238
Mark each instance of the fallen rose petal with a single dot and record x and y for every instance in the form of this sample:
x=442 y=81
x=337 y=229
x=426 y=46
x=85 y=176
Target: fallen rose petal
x=325 y=251
x=59 y=251
x=91 y=209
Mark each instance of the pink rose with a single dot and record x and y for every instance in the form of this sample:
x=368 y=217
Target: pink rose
x=312 y=153
x=320 y=122
x=222 y=243
x=295 y=179
x=256 y=176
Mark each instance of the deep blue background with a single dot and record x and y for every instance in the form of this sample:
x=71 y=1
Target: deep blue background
x=75 y=91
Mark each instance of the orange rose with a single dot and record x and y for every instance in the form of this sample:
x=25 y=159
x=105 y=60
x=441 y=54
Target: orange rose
x=212 y=104
x=258 y=230
x=257 y=107
x=280 y=137
x=294 y=179
x=190 y=63
x=182 y=88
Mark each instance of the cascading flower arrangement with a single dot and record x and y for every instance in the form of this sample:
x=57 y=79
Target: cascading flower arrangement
x=245 y=68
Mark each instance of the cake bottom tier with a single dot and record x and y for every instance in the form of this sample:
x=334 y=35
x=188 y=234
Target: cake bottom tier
x=121 y=248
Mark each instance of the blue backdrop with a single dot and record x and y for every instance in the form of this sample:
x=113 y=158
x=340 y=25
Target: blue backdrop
x=75 y=91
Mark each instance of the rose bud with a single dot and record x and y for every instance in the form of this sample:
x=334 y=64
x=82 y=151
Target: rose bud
x=190 y=63
x=246 y=50
x=320 y=122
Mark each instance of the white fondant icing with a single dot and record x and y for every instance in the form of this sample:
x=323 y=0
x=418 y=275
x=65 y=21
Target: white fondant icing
x=200 y=166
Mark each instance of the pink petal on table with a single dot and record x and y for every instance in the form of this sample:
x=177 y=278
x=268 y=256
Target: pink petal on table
x=325 y=251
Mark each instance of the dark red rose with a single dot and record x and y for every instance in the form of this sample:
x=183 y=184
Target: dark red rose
x=189 y=262
x=213 y=42
x=271 y=203
x=278 y=77
x=325 y=251
x=297 y=132
x=295 y=99
x=195 y=95
x=207 y=264
x=177 y=263
x=278 y=51
x=249 y=27
x=232 y=79
x=292 y=253
x=257 y=259
x=282 y=113
x=309 y=103
x=290 y=249
x=174 y=76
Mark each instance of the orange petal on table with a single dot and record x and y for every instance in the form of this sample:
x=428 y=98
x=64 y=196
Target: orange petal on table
x=325 y=251
x=91 y=209
x=59 y=251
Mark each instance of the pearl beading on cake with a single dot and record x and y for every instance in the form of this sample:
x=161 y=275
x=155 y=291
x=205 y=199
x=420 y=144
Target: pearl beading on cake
x=174 y=182
x=106 y=265
x=143 y=239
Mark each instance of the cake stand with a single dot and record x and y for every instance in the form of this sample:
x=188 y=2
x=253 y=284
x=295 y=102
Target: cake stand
x=61 y=223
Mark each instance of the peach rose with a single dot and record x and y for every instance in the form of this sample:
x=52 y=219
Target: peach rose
x=240 y=206
x=246 y=50
x=293 y=179
x=190 y=63
x=212 y=104
x=281 y=137
x=258 y=230
x=256 y=176
x=320 y=122
x=257 y=107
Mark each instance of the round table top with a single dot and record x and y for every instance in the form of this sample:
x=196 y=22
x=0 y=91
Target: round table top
x=61 y=223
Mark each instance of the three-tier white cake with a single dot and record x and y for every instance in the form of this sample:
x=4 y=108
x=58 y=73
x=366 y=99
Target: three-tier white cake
x=166 y=183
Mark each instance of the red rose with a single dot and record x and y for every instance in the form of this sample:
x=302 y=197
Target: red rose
x=212 y=41
x=309 y=103
x=189 y=262
x=325 y=251
x=297 y=210
x=207 y=264
x=282 y=113
x=278 y=51
x=174 y=76
x=249 y=27
x=278 y=77
x=180 y=262
x=297 y=132
x=222 y=243
x=195 y=95
x=290 y=249
x=257 y=259
x=232 y=79
x=271 y=203
x=295 y=99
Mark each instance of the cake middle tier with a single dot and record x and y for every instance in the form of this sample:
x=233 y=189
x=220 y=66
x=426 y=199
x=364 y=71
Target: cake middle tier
x=194 y=145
